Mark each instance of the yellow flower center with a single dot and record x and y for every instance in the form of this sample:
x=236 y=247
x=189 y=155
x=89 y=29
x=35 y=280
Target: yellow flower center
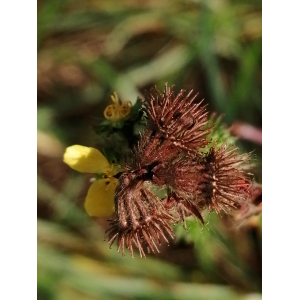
x=118 y=110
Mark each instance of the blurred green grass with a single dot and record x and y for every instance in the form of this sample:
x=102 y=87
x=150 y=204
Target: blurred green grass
x=87 y=50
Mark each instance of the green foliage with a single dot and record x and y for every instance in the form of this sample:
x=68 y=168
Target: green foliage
x=116 y=138
x=220 y=133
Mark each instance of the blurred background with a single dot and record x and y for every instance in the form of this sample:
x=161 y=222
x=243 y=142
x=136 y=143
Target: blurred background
x=86 y=51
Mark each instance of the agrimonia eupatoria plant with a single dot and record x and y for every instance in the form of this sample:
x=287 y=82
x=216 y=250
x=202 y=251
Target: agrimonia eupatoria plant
x=173 y=151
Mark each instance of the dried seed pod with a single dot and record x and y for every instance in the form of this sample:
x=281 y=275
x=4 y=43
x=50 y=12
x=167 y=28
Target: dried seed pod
x=178 y=119
x=141 y=220
x=226 y=183
x=216 y=180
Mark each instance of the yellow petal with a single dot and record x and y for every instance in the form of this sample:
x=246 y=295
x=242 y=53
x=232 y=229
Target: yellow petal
x=100 y=198
x=86 y=159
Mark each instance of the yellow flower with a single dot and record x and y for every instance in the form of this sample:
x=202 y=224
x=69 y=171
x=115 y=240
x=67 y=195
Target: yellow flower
x=100 y=198
x=118 y=110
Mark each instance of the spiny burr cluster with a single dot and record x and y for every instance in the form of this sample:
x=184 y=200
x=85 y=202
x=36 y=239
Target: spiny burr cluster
x=168 y=155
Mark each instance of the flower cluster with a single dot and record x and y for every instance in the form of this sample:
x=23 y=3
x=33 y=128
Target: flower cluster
x=169 y=154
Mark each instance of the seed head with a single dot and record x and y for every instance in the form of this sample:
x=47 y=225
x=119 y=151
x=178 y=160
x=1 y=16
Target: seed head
x=167 y=155
x=141 y=219
x=178 y=118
